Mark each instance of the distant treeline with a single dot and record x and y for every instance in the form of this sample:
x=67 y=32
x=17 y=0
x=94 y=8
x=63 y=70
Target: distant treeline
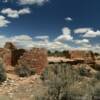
x=58 y=53
x=64 y=53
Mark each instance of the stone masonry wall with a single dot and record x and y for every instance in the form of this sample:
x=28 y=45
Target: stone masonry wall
x=87 y=56
x=36 y=59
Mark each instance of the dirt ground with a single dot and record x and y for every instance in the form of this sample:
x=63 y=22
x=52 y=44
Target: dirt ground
x=16 y=88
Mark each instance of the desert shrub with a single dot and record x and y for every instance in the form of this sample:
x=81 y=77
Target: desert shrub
x=58 y=78
x=63 y=82
x=2 y=73
x=97 y=75
x=96 y=95
x=96 y=67
x=82 y=90
x=24 y=71
x=83 y=71
x=33 y=72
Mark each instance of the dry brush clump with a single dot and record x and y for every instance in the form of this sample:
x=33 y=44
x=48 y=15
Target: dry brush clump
x=96 y=94
x=58 y=78
x=97 y=75
x=3 y=75
x=24 y=71
x=84 y=71
x=65 y=83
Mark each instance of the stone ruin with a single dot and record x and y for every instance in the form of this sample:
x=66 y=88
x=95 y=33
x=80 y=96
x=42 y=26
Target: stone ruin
x=75 y=57
x=87 y=57
x=13 y=57
x=36 y=58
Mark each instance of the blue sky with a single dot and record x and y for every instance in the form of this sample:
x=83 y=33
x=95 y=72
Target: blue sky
x=53 y=24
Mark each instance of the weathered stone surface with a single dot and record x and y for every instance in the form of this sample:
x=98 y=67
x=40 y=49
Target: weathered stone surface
x=87 y=56
x=5 y=55
x=16 y=54
x=10 y=54
x=7 y=58
x=34 y=59
x=9 y=46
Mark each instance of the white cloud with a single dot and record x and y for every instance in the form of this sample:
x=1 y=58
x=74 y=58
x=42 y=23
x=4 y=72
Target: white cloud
x=83 y=41
x=15 y=13
x=58 y=46
x=32 y=2
x=22 y=38
x=3 y=21
x=42 y=38
x=92 y=34
x=87 y=32
x=26 y=42
x=68 y=19
x=10 y=13
x=66 y=30
x=63 y=38
x=24 y=11
x=95 y=48
x=82 y=30
x=66 y=36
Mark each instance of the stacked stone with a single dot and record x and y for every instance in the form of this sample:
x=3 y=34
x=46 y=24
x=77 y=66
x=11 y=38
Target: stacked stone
x=35 y=59
x=7 y=53
x=87 y=56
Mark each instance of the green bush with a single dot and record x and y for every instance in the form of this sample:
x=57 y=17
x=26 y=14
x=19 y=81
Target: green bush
x=24 y=71
x=3 y=75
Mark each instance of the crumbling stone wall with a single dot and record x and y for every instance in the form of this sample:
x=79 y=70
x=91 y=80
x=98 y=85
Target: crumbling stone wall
x=5 y=55
x=87 y=56
x=6 y=59
x=16 y=54
x=11 y=54
x=36 y=59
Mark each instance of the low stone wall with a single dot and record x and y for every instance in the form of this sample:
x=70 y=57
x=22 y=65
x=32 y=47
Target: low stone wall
x=87 y=56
